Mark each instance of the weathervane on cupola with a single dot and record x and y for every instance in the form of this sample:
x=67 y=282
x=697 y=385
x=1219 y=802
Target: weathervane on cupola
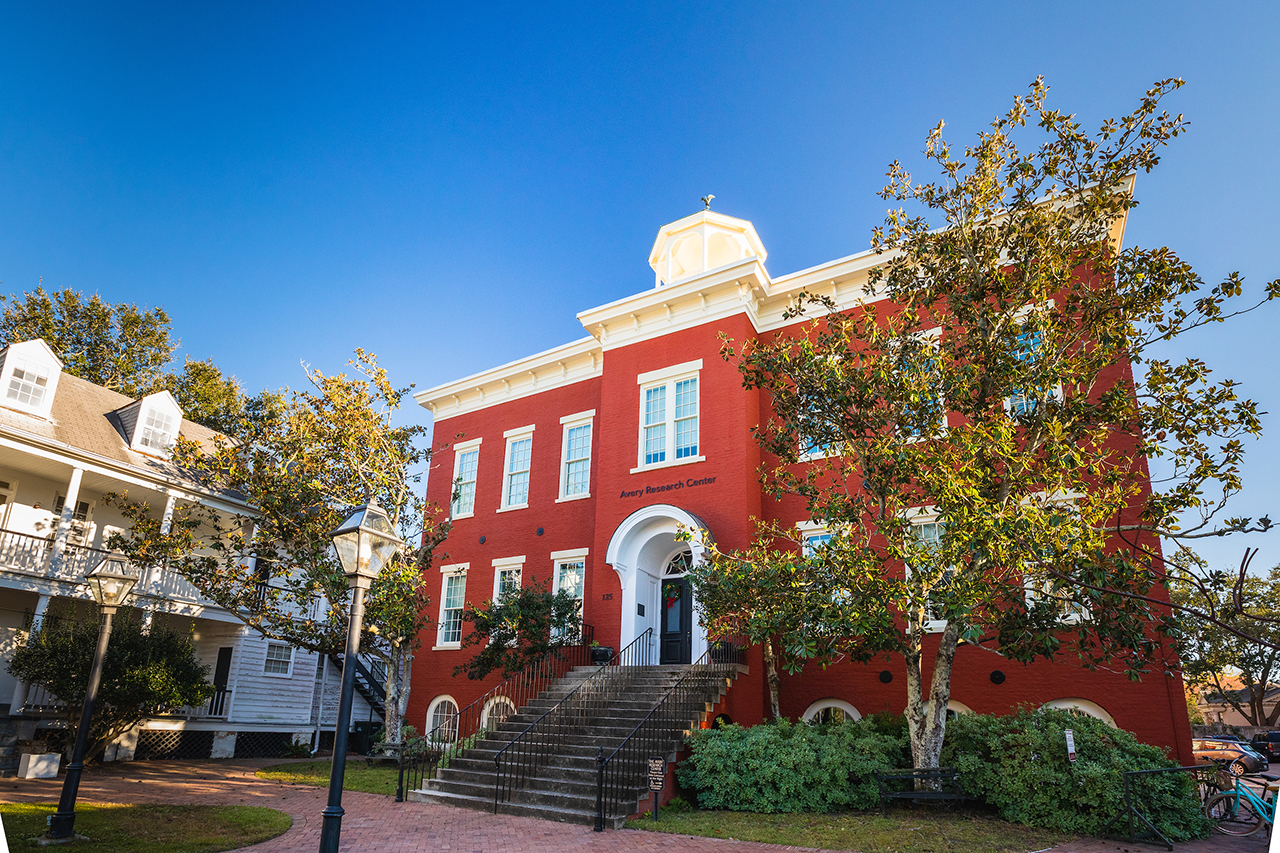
x=701 y=243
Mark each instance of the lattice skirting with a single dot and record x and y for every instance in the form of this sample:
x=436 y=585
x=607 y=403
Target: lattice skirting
x=155 y=744
x=262 y=744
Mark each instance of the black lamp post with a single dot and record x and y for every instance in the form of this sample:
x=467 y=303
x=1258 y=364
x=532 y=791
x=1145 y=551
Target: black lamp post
x=364 y=542
x=110 y=581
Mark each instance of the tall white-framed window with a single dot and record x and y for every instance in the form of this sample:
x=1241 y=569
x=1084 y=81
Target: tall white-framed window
x=466 y=464
x=1040 y=584
x=570 y=573
x=279 y=660
x=506 y=576
x=918 y=360
x=927 y=532
x=575 y=455
x=669 y=406
x=453 y=589
x=1025 y=402
x=516 y=467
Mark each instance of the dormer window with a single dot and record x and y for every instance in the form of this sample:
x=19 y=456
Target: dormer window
x=151 y=424
x=157 y=430
x=29 y=373
x=28 y=383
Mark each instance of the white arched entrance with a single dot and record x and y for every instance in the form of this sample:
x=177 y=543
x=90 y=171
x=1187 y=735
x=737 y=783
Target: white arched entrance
x=639 y=551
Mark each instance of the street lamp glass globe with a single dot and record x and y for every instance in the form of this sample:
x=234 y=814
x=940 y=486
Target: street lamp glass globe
x=365 y=542
x=111 y=580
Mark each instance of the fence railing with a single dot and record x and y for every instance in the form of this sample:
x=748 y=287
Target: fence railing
x=458 y=731
x=461 y=730
x=24 y=550
x=33 y=553
x=542 y=739
x=623 y=772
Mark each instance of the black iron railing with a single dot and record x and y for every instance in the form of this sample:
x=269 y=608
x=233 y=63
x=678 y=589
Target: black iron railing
x=544 y=738
x=622 y=773
x=421 y=756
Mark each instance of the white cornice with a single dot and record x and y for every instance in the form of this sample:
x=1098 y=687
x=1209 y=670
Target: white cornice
x=533 y=374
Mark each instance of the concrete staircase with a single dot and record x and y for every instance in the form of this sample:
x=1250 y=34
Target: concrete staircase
x=565 y=788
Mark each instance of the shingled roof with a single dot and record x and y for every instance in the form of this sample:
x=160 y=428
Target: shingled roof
x=84 y=418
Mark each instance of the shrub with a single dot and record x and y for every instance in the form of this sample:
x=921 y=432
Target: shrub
x=785 y=767
x=1018 y=764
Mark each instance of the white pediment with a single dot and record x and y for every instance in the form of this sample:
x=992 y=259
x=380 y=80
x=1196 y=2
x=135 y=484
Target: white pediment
x=700 y=243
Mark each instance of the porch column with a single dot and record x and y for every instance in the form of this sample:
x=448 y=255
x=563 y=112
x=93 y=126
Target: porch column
x=151 y=583
x=21 y=688
x=65 y=521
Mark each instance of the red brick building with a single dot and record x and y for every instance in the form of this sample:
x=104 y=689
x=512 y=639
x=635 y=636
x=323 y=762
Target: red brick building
x=580 y=464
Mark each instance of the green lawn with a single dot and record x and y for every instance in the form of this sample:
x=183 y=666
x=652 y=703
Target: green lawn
x=376 y=778
x=903 y=831
x=150 y=829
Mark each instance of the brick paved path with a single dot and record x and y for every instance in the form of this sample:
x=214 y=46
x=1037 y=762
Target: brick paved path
x=375 y=823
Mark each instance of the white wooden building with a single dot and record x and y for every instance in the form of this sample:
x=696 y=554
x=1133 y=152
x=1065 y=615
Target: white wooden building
x=64 y=443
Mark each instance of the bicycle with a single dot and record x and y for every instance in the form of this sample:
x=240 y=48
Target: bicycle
x=1240 y=811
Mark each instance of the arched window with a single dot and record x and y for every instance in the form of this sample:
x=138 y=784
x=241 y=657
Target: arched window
x=1082 y=706
x=830 y=711
x=495 y=711
x=679 y=563
x=442 y=720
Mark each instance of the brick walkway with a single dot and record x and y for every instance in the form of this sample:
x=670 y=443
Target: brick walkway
x=375 y=823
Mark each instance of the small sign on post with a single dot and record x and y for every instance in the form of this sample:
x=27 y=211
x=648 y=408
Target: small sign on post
x=1071 y=744
x=657 y=779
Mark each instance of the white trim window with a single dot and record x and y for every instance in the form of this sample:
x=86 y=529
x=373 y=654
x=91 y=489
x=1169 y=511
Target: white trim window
x=442 y=720
x=570 y=573
x=575 y=456
x=516 y=467
x=278 y=662
x=466 y=463
x=669 y=433
x=830 y=711
x=453 y=589
x=28 y=382
x=1026 y=402
x=927 y=533
x=506 y=576
x=157 y=430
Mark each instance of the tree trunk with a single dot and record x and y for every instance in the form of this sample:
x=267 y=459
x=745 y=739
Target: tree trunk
x=391 y=718
x=771 y=678
x=927 y=715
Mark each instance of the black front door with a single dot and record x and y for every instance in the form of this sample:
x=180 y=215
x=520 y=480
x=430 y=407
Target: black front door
x=677 y=622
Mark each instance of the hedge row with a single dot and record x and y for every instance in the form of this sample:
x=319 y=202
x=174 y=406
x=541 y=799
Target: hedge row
x=1016 y=764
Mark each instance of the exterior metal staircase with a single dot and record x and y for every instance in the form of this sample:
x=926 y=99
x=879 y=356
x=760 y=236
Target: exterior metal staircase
x=552 y=759
x=367 y=685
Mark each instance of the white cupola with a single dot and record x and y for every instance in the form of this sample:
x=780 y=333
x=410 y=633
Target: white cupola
x=29 y=374
x=701 y=243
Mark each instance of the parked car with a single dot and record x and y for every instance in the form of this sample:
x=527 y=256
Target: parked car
x=1239 y=757
x=1267 y=743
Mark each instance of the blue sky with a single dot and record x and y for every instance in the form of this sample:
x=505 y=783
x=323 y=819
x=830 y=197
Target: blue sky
x=449 y=186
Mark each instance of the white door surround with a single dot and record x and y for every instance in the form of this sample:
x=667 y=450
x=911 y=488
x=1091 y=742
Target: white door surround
x=638 y=551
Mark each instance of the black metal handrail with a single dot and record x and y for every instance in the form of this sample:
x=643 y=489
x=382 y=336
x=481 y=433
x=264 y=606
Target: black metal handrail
x=622 y=774
x=542 y=739
x=442 y=743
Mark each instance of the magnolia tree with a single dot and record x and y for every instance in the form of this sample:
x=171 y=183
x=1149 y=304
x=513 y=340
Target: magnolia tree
x=145 y=672
x=303 y=460
x=980 y=450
